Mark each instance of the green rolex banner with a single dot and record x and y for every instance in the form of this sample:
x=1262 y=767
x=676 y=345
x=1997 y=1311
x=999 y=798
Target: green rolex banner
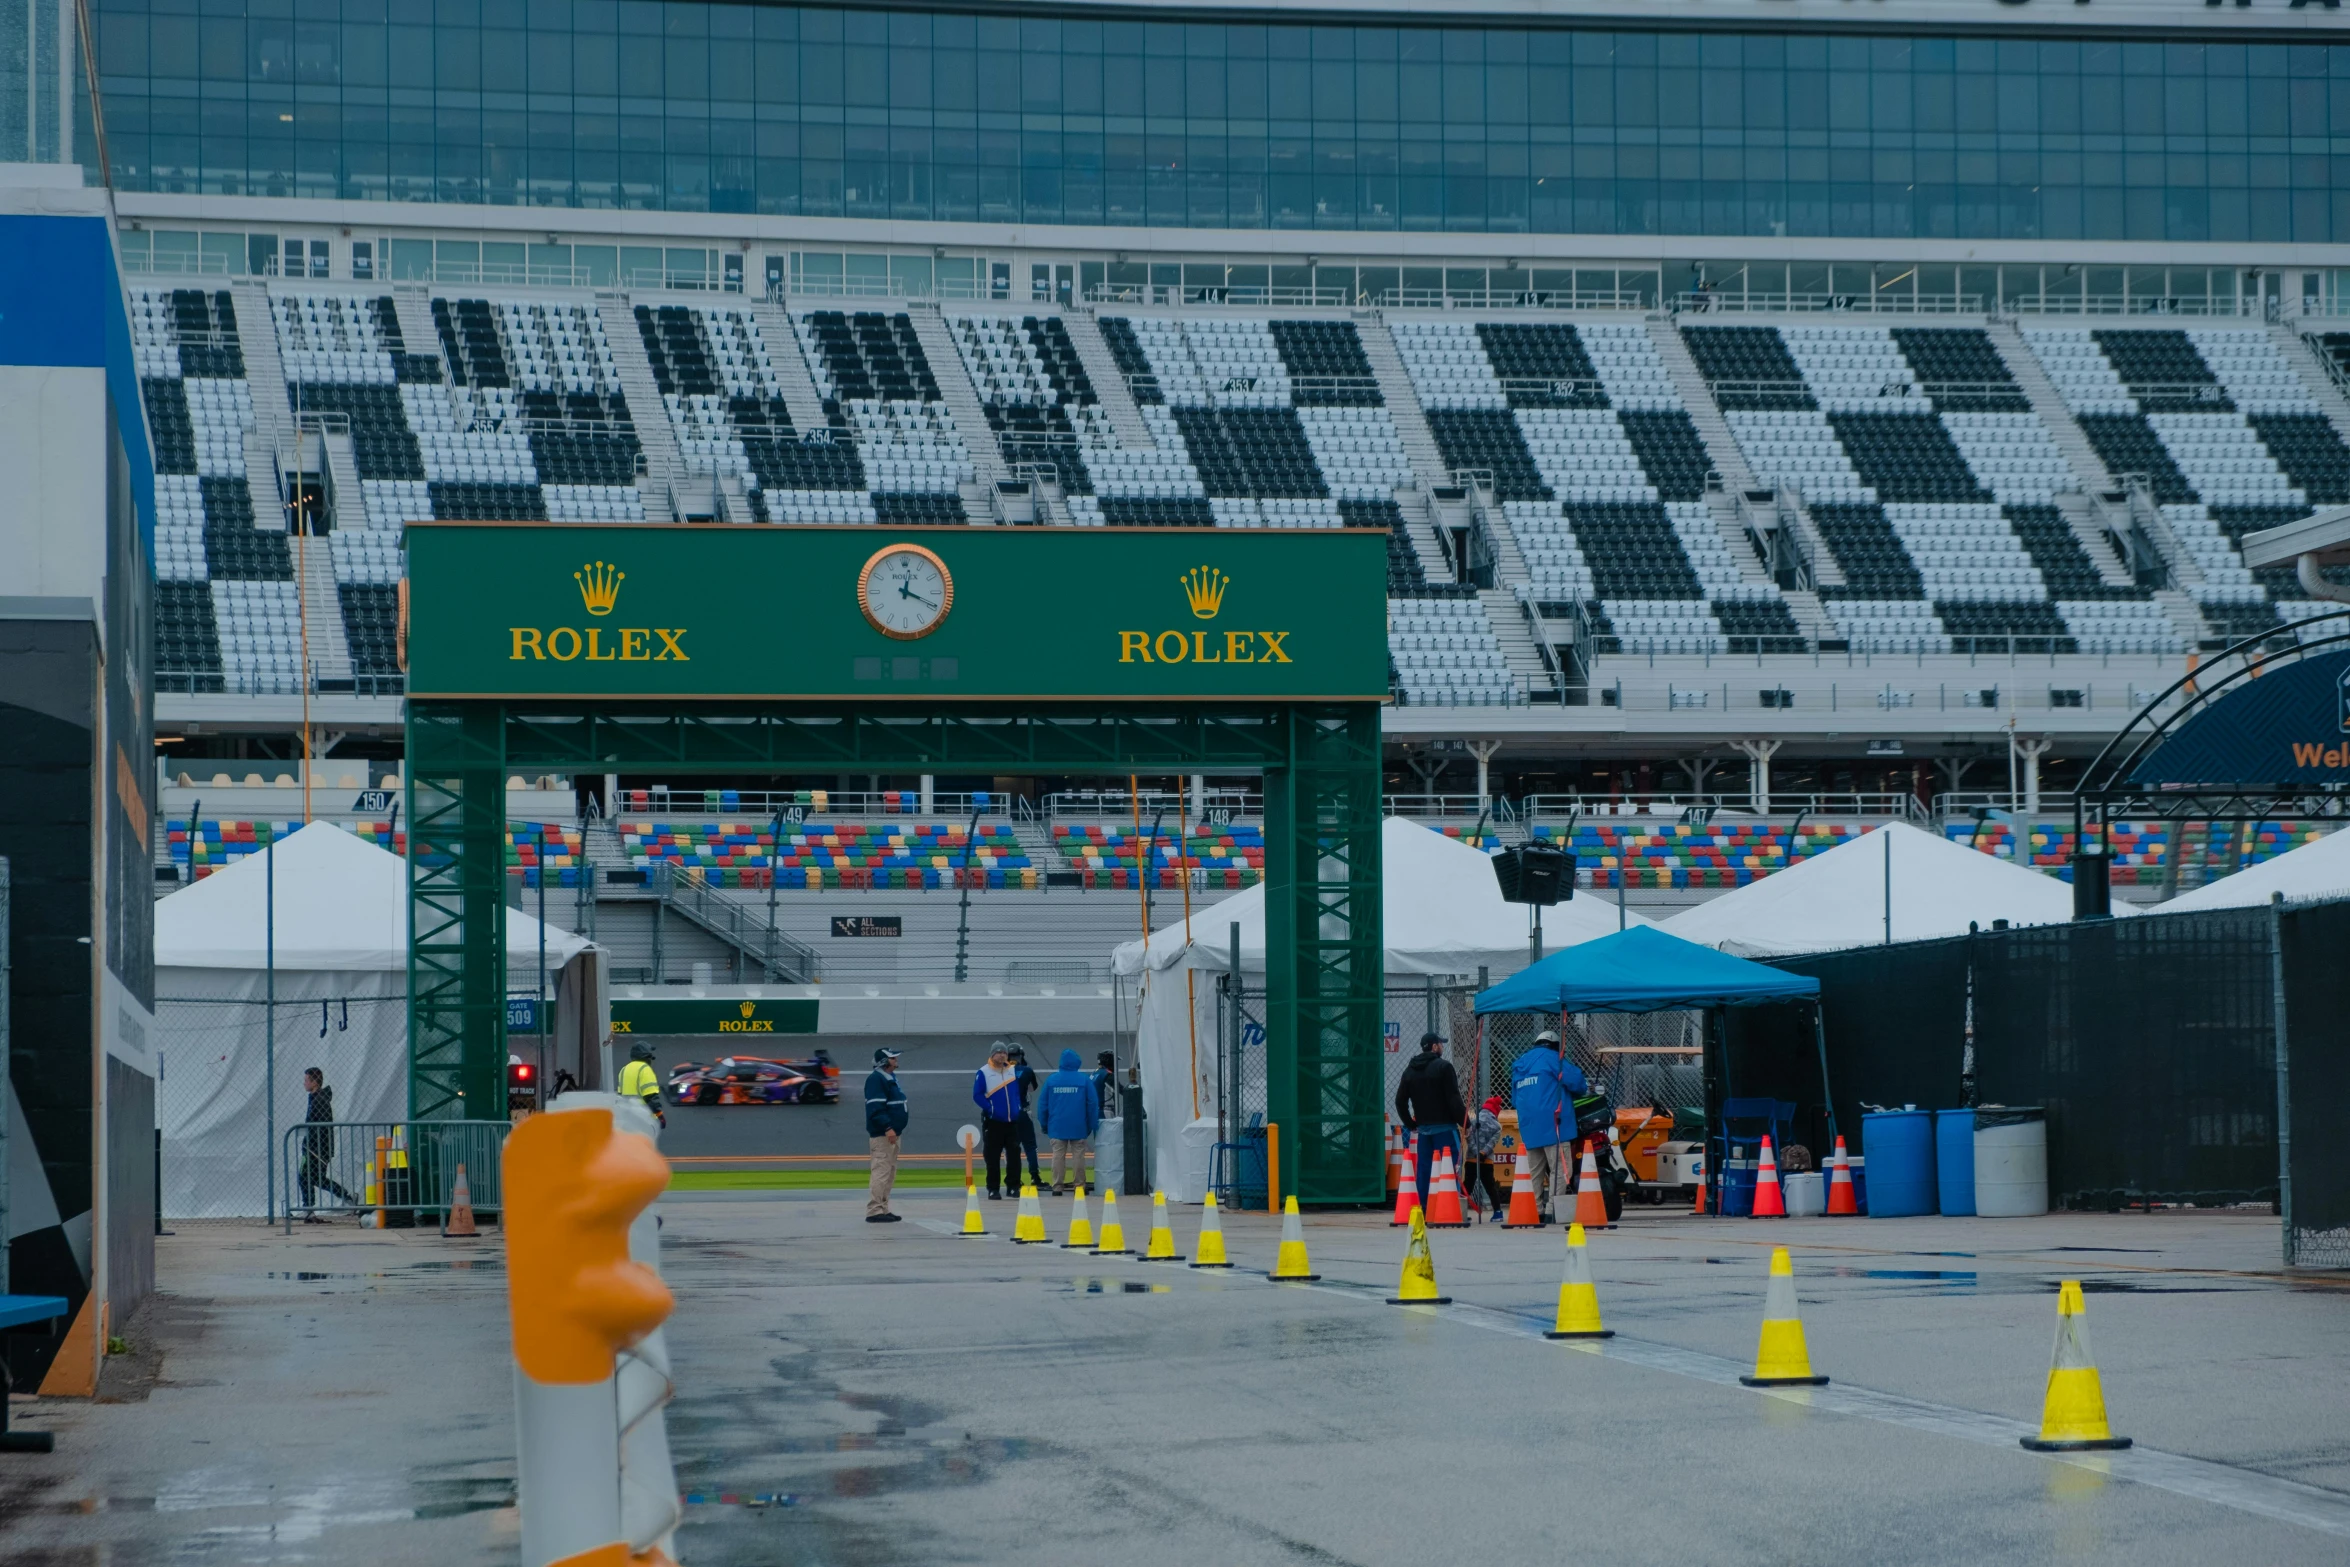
x=882 y=613
x=730 y=1016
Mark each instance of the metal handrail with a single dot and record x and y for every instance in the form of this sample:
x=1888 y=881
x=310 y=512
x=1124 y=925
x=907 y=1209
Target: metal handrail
x=784 y=956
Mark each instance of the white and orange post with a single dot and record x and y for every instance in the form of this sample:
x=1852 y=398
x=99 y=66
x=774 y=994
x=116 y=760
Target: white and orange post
x=591 y=1371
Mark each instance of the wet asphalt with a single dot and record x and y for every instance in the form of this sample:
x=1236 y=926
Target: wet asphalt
x=853 y=1394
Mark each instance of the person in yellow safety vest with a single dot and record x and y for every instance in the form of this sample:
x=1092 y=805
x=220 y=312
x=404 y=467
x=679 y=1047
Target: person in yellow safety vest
x=638 y=1080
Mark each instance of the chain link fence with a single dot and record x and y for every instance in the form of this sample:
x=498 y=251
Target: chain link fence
x=230 y=1075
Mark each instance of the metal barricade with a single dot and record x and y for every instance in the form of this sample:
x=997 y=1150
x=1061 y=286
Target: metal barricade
x=400 y=1170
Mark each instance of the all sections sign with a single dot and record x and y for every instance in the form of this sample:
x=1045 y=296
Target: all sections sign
x=881 y=614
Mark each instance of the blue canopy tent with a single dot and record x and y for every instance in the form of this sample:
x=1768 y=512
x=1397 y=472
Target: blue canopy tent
x=1645 y=970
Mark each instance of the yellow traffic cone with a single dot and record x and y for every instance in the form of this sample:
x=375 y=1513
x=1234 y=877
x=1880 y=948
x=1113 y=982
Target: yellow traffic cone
x=1209 y=1252
x=1417 y=1287
x=2072 y=1417
x=1162 y=1246
x=1080 y=1226
x=1578 y=1300
x=1028 y=1228
x=1291 y=1266
x=1113 y=1237
x=974 y=1222
x=1780 y=1359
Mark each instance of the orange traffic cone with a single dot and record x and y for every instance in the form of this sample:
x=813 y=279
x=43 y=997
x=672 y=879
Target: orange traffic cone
x=1590 y=1205
x=1769 y=1203
x=1523 y=1211
x=1399 y=1163
x=1840 y=1193
x=1697 y=1208
x=460 y=1221
x=1407 y=1195
x=1444 y=1196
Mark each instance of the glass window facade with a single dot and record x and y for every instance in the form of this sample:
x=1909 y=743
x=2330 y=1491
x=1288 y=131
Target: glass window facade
x=1043 y=119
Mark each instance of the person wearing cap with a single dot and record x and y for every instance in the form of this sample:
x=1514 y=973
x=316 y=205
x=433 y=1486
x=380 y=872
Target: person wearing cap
x=1072 y=1112
x=996 y=1090
x=885 y=1121
x=1543 y=1086
x=1428 y=1103
x=1025 y=1127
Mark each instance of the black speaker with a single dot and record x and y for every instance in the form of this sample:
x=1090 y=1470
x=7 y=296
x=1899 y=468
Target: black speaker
x=1535 y=874
x=2092 y=885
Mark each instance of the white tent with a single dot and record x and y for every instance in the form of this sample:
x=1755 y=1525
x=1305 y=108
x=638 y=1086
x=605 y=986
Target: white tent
x=2320 y=869
x=341 y=986
x=1441 y=914
x=1839 y=899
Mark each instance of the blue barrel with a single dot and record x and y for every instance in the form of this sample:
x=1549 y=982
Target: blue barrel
x=1738 y=1187
x=1900 y=1148
x=1954 y=1161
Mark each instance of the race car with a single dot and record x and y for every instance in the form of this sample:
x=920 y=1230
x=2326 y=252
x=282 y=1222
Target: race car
x=755 y=1080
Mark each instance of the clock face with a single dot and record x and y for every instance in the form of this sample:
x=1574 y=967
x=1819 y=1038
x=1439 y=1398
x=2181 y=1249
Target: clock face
x=905 y=591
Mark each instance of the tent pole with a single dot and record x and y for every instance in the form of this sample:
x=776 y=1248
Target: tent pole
x=1819 y=1034
x=1717 y=1090
x=1888 y=832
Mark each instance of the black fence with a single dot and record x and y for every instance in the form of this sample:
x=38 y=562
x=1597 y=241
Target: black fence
x=2150 y=1041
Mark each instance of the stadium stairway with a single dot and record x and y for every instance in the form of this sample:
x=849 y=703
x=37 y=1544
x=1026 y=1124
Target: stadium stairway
x=1109 y=384
x=1722 y=450
x=2086 y=518
x=791 y=369
x=2302 y=355
x=273 y=415
x=2048 y=405
x=412 y=308
x=322 y=607
x=665 y=473
x=1418 y=441
x=961 y=399
x=1516 y=636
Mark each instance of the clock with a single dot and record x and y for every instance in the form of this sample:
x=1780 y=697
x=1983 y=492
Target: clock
x=905 y=591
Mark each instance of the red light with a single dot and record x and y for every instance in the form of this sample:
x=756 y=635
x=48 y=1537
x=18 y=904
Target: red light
x=519 y=1072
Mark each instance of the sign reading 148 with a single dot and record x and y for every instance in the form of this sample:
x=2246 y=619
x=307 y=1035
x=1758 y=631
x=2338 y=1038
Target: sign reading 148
x=905 y=591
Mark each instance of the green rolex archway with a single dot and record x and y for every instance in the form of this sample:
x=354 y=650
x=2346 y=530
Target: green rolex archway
x=552 y=648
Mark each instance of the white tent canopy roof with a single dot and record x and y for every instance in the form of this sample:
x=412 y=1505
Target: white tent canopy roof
x=342 y=903
x=1442 y=914
x=1836 y=900
x=2315 y=870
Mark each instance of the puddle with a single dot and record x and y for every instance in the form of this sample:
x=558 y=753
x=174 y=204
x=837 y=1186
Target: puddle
x=2141 y=1251
x=2134 y=1287
x=1113 y=1287
x=752 y=1499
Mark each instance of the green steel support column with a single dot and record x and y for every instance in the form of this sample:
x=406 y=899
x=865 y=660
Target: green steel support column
x=1325 y=1075
x=456 y=814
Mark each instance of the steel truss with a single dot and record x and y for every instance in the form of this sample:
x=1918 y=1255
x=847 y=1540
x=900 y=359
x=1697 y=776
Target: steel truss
x=2108 y=793
x=1320 y=763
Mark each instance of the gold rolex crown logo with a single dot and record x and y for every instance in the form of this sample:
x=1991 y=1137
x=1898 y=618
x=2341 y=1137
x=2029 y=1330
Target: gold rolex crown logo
x=1203 y=588
x=749 y=1007
x=599 y=586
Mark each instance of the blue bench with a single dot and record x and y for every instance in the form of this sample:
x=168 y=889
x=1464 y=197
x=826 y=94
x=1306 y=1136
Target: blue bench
x=18 y=1311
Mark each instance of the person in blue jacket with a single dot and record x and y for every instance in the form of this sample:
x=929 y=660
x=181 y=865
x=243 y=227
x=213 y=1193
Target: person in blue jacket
x=1543 y=1086
x=1071 y=1109
x=1002 y=1109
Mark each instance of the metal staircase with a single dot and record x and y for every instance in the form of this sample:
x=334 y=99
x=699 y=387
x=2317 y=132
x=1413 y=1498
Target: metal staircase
x=412 y=308
x=322 y=609
x=955 y=389
x=1697 y=397
x=2316 y=373
x=273 y=414
x=1109 y=383
x=2049 y=405
x=1403 y=402
x=665 y=477
x=1531 y=671
x=790 y=364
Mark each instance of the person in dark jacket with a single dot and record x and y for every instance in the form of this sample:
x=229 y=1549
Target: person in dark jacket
x=318 y=1144
x=1026 y=1127
x=1072 y=1112
x=1428 y=1103
x=996 y=1090
x=1105 y=1081
x=885 y=1121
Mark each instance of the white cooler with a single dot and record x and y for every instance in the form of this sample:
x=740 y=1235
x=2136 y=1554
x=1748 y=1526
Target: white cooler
x=1806 y=1194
